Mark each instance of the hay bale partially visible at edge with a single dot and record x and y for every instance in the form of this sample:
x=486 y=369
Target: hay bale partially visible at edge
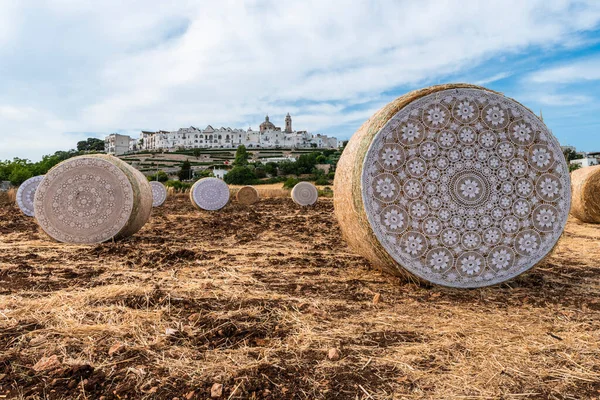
x=585 y=198
x=92 y=199
x=247 y=195
x=350 y=207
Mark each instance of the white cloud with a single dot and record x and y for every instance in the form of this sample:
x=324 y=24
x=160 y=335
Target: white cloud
x=493 y=78
x=582 y=70
x=149 y=65
x=563 y=99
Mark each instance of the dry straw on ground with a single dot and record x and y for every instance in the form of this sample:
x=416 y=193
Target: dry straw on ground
x=585 y=201
x=247 y=195
x=253 y=299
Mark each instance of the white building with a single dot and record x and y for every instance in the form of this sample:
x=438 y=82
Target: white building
x=586 y=161
x=116 y=144
x=268 y=136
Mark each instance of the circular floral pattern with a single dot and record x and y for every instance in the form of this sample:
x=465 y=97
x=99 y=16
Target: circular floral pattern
x=159 y=193
x=210 y=194
x=26 y=195
x=84 y=200
x=466 y=188
x=306 y=194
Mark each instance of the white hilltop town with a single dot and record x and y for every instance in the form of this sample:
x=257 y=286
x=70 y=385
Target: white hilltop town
x=268 y=136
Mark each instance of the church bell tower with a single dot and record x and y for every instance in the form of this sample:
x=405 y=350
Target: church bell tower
x=288 y=123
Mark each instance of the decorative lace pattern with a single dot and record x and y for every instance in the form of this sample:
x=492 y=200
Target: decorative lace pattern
x=210 y=194
x=305 y=194
x=84 y=200
x=159 y=193
x=466 y=188
x=26 y=195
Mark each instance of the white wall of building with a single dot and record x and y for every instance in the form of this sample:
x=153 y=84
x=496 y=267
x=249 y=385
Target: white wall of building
x=586 y=161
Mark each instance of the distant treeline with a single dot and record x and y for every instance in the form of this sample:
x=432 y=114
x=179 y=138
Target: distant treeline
x=18 y=170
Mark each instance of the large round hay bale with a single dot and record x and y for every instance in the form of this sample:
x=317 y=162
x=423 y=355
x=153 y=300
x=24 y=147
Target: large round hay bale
x=159 y=193
x=455 y=185
x=209 y=194
x=26 y=194
x=585 y=198
x=92 y=199
x=305 y=194
x=247 y=195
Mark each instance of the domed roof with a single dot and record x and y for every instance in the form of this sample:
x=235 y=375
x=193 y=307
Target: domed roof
x=267 y=124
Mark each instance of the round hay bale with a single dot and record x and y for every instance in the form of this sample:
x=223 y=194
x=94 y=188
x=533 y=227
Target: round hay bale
x=247 y=195
x=26 y=194
x=585 y=197
x=159 y=193
x=305 y=194
x=209 y=194
x=92 y=199
x=455 y=185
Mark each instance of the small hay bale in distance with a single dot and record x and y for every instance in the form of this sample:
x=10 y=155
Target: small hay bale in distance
x=247 y=195
x=209 y=194
x=92 y=199
x=26 y=195
x=159 y=193
x=585 y=194
x=455 y=185
x=305 y=194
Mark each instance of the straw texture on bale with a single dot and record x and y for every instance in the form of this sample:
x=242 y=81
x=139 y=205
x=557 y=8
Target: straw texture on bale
x=247 y=195
x=159 y=193
x=354 y=184
x=305 y=194
x=585 y=199
x=26 y=194
x=93 y=199
x=209 y=194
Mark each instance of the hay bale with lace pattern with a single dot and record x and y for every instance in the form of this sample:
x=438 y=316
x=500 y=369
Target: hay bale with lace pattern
x=209 y=194
x=455 y=185
x=305 y=194
x=92 y=199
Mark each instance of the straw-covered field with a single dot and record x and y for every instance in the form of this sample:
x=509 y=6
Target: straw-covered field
x=248 y=302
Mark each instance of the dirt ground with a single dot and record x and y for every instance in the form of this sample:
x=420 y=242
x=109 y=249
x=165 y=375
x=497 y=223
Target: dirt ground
x=253 y=298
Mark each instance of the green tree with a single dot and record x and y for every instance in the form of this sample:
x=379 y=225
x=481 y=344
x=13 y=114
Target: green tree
x=19 y=175
x=186 y=171
x=260 y=173
x=241 y=156
x=290 y=183
x=196 y=153
x=287 y=167
x=91 y=144
x=321 y=159
x=240 y=175
x=574 y=167
x=271 y=168
x=571 y=154
x=306 y=163
x=203 y=173
x=160 y=176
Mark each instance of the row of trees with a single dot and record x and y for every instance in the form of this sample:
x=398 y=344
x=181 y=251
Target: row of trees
x=19 y=170
x=244 y=173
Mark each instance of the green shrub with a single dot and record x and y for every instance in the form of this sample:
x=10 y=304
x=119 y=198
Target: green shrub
x=290 y=183
x=160 y=176
x=178 y=185
x=240 y=175
x=322 y=181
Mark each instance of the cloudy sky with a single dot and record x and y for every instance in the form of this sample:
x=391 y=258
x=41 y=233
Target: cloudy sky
x=71 y=69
